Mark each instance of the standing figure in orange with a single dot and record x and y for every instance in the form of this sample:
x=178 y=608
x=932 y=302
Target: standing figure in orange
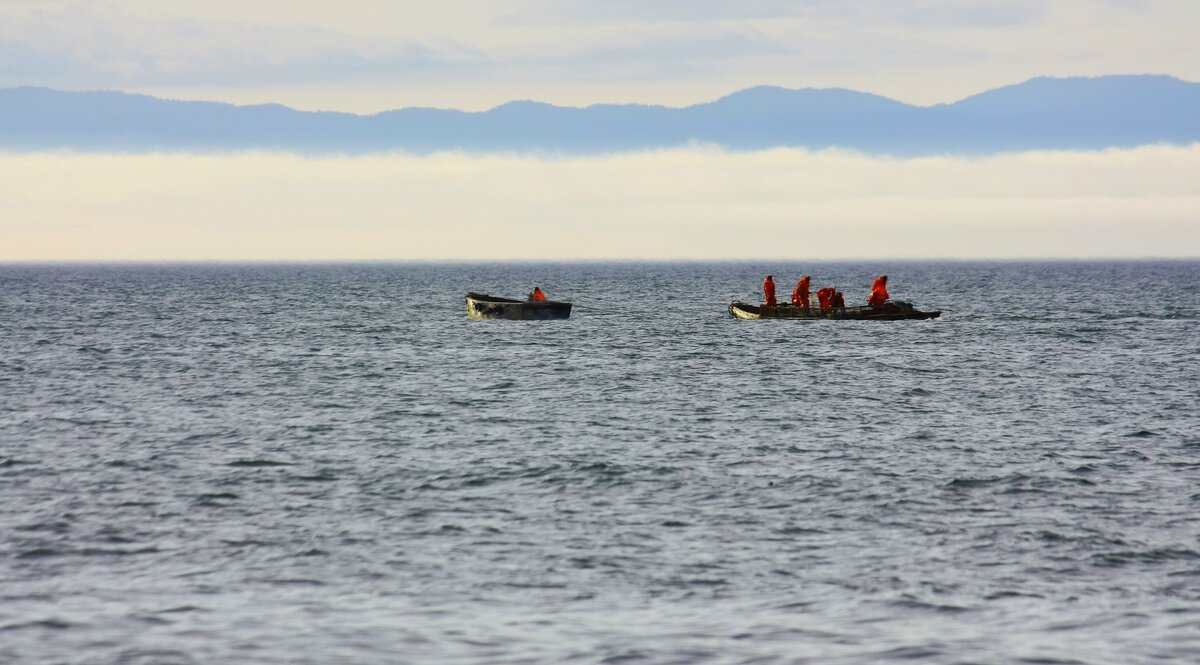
x=769 y=291
x=879 y=292
x=824 y=295
x=800 y=293
x=537 y=295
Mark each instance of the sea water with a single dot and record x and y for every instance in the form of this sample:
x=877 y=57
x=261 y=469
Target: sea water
x=331 y=464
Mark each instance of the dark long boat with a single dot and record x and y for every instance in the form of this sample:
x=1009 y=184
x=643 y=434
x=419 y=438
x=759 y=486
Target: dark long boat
x=892 y=310
x=482 y=306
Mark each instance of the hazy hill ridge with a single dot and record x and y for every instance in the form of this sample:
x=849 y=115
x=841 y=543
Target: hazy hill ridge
x=1042 y=113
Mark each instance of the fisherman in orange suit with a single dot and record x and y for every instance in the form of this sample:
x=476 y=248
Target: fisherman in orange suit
x=837 y=299
x=823 y=297
x=769 y=290
x=800 y=293
x=879 y=292
x=537 y=295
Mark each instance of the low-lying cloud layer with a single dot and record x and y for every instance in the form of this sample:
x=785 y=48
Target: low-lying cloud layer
x=695 y=203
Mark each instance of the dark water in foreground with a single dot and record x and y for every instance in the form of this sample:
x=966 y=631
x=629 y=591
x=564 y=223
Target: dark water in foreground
x=320 y=464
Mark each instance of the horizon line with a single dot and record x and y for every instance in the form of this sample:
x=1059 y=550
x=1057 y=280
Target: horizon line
x=587 y=261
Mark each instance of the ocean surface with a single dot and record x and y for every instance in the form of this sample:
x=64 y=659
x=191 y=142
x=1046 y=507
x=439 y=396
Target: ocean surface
x=331 y=464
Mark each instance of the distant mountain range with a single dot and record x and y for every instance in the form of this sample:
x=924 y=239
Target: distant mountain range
x=1043 y=113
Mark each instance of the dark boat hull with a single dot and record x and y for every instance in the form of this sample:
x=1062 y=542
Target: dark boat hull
x=481 y=306
x=889 y=311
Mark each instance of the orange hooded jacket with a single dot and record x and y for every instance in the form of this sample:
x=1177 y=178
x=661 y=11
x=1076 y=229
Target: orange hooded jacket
x=879 y=292
x=800 y=293
x=769 y=291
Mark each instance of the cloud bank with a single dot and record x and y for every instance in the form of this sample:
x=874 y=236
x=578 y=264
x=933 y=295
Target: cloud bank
x=695 y=203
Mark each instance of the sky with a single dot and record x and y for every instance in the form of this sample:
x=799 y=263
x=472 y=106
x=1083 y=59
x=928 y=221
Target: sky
x=695 y=202
x=369 y=55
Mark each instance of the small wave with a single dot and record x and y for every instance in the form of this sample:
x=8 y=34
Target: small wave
x=323 y=476
x=912 y=604
x=794 y=605
x=1157 y=555
x=800 y=531
x=153 y=620
x=257 y=463
x=77 y=421
x=249 y=542
x=95 y=350
x=1077 y=481
x=57 y=526
x=40 y=553
x=532 y=585
x=200 y=436
x=627 y=656
x=983 y=481
x=219 y=495
x=50 y=552
x=182 y=608
x=540 y=471
x=216 y=499
x=44 y=624
x=701 y=581
x=909 y=653
x=116 y=551
x=912 y=369
x=155 y=657
x=1001 y=595
x=315 y=429
x=290 y=581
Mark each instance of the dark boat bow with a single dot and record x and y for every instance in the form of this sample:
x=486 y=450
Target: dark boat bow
x=483 y=306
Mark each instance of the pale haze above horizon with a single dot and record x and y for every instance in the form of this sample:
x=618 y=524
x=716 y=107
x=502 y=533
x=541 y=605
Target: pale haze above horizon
x=695 y=203
x=687 y=202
